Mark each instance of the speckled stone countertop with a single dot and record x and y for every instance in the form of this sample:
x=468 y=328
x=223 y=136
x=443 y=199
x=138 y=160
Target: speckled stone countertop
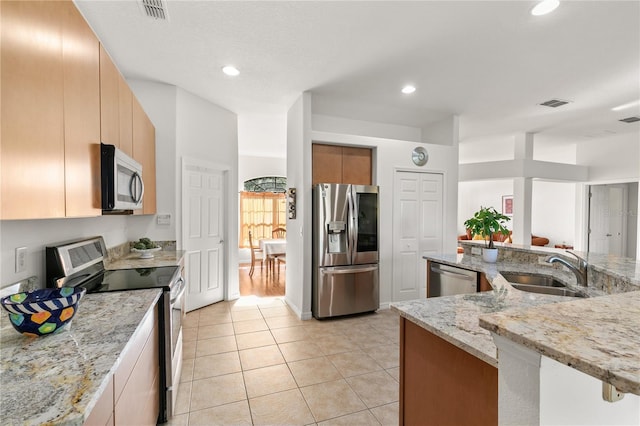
x=132 y=260
x=597 y=336
x=57 y=379
x=457 y=318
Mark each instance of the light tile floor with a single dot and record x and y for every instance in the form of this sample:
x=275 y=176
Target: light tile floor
x=253 y=362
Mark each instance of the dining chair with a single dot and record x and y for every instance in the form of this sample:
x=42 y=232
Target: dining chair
x=279 y=233
x=281 y=258
x=256 y=254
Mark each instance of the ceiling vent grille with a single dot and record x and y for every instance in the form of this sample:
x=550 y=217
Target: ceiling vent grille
x=554 y=103
x=631 y=119
x=155 y=9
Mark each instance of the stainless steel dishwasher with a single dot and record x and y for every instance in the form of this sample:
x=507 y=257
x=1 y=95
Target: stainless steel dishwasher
x=445 y=280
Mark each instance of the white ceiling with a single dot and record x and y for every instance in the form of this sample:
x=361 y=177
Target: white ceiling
x=491 y=62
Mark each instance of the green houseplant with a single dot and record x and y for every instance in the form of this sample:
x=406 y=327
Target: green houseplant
x=486 y=222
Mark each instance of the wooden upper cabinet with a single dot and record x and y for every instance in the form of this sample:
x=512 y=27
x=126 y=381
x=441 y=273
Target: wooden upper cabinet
x=125 y=99
x=327 y=164
x=109 y=100
x=32 y=129
x=340 y=164
x=81 y=64
x=144 y=151
x=356 y=165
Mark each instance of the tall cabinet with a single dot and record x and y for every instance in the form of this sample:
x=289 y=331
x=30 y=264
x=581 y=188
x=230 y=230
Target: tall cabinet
x=81 y=116
x=61 y=95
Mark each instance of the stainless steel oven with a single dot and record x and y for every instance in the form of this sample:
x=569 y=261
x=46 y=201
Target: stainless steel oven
x=81 y=263
x=174 y=343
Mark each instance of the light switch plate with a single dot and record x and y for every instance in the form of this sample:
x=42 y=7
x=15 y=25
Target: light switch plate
x=21 y=259
x=163 y=219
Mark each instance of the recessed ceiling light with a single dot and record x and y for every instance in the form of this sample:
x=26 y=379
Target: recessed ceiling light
x=544 y=7
x=625 y=106
x=230 y=70
x=408 y=89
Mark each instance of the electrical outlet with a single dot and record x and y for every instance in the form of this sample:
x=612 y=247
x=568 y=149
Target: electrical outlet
x=476 y=250
x=21 y=259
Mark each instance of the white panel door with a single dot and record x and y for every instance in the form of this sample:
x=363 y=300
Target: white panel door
x=607 y=219
x=417 y=230
x=203 y=218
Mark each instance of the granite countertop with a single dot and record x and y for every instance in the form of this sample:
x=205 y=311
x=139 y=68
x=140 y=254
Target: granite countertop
x=455 y=318
x=132 y=260
x=57 y=379
x=597 y=336
x=546 y=329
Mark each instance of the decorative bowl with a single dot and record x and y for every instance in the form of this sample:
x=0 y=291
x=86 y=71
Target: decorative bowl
x=146 y=253
x=44 y=311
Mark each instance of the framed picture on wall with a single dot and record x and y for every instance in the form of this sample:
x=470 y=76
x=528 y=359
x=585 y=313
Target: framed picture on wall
x=507 y=205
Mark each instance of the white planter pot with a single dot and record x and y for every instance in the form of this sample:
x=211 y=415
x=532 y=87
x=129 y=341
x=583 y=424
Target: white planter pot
x=490 y=255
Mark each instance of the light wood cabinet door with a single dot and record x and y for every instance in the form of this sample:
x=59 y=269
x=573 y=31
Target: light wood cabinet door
x=341 y=164
x=443 y=383
x=356 y=165
x=144 y=151
x=326 y=164
x=109 y=102
x=32 y=131
x=125 y=105
x=81 y=65
x=136 y=381
x=102 y=412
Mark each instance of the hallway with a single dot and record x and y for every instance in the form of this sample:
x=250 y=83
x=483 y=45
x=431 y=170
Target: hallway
x=252 y=361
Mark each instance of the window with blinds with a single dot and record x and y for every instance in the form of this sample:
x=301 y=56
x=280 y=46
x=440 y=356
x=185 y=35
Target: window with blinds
x=261 y=213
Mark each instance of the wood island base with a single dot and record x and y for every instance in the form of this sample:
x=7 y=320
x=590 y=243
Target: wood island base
x=441 y=384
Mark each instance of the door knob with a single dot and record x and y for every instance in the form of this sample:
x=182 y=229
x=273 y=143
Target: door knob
x=608 y=235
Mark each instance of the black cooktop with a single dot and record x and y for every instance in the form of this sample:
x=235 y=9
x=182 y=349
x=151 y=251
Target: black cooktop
x=132 y=279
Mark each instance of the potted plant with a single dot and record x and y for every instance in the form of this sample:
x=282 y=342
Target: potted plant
x=486 y=222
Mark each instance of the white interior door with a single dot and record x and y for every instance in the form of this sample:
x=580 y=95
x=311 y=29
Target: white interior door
x=417 y=230
x=607 y=219
x=203 y=190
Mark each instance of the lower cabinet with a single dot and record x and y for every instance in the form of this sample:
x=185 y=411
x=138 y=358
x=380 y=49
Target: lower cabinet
x=132 y=396
x=102 y=413
x=441 y=384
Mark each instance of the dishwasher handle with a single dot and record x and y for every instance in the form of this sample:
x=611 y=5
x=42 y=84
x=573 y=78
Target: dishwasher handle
x=456 y=275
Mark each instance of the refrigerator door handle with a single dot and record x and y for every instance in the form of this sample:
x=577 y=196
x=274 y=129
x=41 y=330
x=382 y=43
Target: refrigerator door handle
x=331 y=271
x=353 y=230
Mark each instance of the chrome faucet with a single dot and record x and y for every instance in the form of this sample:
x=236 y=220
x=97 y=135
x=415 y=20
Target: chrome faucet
x=579 y=270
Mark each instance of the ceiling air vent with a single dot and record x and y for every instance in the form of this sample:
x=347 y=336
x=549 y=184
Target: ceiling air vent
x=554 y=103
x=630 y=119
x=155 y=9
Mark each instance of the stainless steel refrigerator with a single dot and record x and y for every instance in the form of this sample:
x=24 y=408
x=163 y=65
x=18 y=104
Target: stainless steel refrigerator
x=345 y=249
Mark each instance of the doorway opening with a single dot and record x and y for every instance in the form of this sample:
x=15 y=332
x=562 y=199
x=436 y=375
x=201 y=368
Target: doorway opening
x=263 y=215
x=613 y=219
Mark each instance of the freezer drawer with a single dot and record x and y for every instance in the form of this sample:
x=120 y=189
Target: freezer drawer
x=344 y=290
x=446 y=280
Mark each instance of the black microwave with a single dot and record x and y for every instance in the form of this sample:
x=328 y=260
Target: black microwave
x=121 y=180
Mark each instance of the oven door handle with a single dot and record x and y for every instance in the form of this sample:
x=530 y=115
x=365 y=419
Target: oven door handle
x=181 y=289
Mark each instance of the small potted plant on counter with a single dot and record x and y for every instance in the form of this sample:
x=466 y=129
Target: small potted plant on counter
x=486 y=222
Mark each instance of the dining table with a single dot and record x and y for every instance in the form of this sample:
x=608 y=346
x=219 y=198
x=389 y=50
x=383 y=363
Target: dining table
x=272 y=248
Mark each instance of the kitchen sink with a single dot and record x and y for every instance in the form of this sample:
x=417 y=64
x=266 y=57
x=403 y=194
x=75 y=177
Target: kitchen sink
x=532 y=279
x=536 y=283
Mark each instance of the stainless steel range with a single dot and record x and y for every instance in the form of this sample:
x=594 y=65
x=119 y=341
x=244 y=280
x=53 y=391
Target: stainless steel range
x=81 y=263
